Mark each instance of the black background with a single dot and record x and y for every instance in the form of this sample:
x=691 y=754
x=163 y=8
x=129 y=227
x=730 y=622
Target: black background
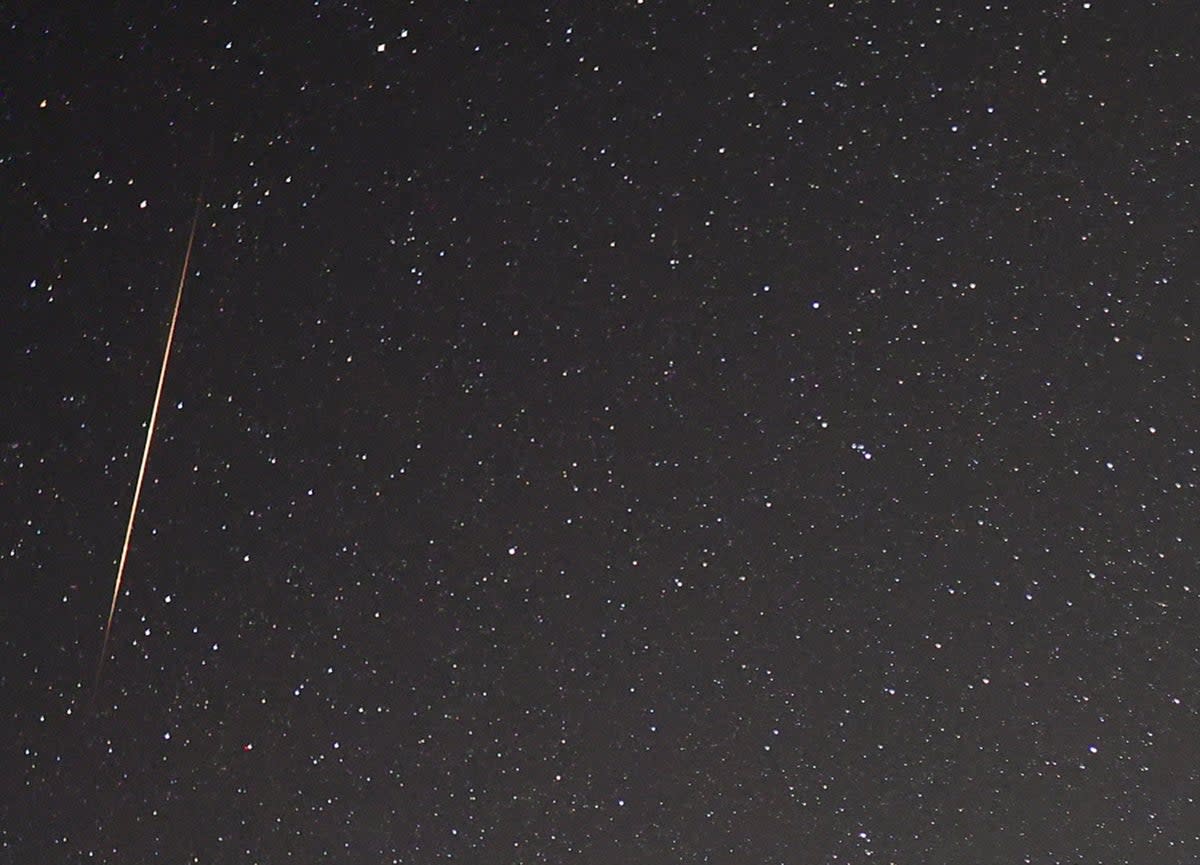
x=602 y=432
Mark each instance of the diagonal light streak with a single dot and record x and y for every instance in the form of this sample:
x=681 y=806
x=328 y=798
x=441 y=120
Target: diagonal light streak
x=141 y=476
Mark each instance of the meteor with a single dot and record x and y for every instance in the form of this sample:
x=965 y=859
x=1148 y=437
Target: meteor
x=141 y=475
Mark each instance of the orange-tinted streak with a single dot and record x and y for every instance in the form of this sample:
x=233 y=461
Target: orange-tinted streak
x=137 y=489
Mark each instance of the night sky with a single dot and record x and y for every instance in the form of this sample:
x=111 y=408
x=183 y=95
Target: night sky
x=612 y=432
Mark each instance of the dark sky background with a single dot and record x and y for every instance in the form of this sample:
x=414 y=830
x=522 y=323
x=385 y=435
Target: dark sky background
x=608 y=432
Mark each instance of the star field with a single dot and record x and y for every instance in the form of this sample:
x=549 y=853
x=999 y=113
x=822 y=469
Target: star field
x=627 y=432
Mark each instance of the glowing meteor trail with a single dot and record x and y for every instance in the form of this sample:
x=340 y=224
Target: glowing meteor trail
x=141 y=476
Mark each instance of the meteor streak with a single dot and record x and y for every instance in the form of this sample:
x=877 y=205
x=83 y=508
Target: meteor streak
x=141 y=476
